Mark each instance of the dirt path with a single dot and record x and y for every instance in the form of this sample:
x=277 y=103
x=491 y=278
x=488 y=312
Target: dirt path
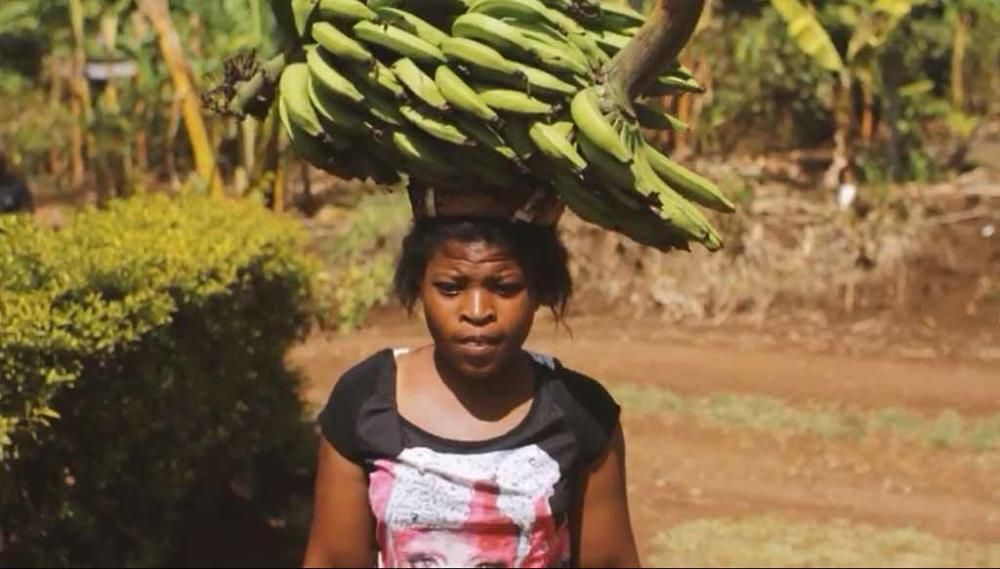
x=680 y=471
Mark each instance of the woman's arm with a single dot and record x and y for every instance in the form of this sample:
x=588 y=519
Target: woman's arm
x=343 y=533
x=606 y=538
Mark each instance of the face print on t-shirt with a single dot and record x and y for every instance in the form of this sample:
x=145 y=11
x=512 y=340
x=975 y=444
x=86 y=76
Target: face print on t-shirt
x=468 y=510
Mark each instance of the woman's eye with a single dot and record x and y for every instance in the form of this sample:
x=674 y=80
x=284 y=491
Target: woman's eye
x=509 y=289
x=448 y=289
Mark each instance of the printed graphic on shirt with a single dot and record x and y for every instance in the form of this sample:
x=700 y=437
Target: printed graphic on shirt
x=484 y=510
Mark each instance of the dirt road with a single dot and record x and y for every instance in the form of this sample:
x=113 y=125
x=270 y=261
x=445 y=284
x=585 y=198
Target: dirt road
x=680 y=470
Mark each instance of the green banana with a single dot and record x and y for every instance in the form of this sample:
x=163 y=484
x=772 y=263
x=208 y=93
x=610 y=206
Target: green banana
x=619 y=17
x=586 y=112
x=525 y=11
x=302 y=12
x=348 y=10
x=687 y=183
x=340 y=44
x=419 y=83
x=490 y=169
x=434 y=126
x=610 y=42
x=604 y=166
x=565 y=128
x=557 y=59
x=332 y=115
x=379 y=77
x=554 y=144
x=652 y=117
x=381 y=107
x=513 y=101
x=493 y=32
x=413 y=24
x=586 y=205
x=673 y=208
x=461 y=96
x=478 y=56
x=418 y=149
x=488 y=138
x=294 y=87
x=327 y=76
x=515 y=133
x=671 y=85
x=399 y=40
x=316 y=151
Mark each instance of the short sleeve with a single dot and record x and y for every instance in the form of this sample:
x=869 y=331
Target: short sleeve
x=338 y=420
x=593 y=412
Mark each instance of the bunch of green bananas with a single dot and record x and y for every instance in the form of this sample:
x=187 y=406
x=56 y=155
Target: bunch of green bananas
x=492 y=94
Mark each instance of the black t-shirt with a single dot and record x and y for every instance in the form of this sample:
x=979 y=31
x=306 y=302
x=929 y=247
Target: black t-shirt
x=502 y=502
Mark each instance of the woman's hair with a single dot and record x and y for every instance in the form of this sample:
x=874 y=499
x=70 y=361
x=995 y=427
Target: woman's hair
x=536 y=248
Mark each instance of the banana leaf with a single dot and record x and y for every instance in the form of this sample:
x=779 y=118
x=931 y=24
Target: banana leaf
x=809 y=34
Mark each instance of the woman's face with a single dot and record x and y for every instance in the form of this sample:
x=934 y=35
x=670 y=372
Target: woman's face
x=478 y=306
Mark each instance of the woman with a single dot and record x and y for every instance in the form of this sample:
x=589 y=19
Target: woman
x=471 y=451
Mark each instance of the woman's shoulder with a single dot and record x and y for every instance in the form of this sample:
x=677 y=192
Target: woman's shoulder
x=581 y=392
x=362 y=378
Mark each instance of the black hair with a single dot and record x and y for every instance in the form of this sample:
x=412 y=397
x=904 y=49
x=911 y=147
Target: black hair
x=537 y=248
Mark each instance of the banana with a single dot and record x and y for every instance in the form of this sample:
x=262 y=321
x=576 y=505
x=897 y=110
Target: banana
x=585 y=204
x=399 y=40
x=586 y=112
x=673 y=207
x=490 y=169
x=651 y=117
x=461 y=96
x=347 y=10
x=294 y=86
x=687 y=183
x=479 y=56
x=326 y=75
x=513 y=101
x=619 y=17
x=302 y=12
x=557 y=59
x=565 y=128
x=604 y=166
x=525 y=11
x=493 y=32
x=413 y=24
x=421 y=151
x=551 y=36
x=419 y=83
x=332 y=115
x=380 y=106
x=515 y=133
x=340 y=44
x=434 y=126
x=671 y=85
x=377 y=76
x=489 y=139
x=610 y=42
x=554 y=144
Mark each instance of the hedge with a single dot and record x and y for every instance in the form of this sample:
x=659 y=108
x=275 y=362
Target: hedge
x=141 y=368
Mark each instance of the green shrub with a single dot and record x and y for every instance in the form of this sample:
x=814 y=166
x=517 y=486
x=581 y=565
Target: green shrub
x=141 y=370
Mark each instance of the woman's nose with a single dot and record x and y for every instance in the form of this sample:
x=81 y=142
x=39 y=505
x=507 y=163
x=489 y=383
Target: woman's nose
x=478 y=308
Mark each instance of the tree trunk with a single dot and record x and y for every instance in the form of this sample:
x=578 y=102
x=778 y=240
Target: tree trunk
x=842 y=168
x=959 y=44
x=867 y=114
x=80 y=100
x=669 y=26
x=158 y=13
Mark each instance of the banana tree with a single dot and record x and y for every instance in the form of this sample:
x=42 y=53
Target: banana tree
x=873 y=22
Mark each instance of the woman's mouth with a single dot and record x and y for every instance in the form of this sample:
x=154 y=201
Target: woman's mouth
x=479 y=346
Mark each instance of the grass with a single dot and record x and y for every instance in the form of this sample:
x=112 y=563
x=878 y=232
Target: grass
x=947 y=429
x=768 y=541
